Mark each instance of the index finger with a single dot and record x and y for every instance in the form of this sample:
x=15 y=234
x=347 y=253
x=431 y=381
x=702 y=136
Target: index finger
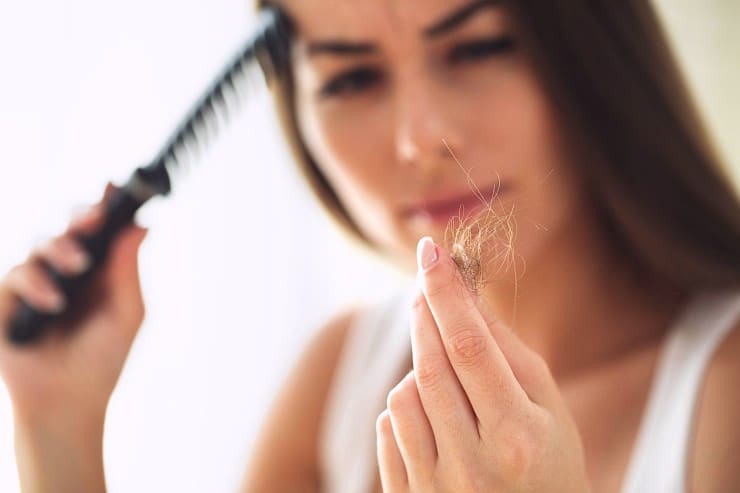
x=90 y=218
x=476 y=358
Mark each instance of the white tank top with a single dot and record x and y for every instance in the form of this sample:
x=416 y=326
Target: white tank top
x=378 y=349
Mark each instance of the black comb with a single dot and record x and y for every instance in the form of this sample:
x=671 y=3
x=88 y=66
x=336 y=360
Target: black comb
x=269 y=47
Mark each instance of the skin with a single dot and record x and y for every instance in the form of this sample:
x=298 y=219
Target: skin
x=408 y=132
x=60 y=388
x=508 y=371
x=402 y=122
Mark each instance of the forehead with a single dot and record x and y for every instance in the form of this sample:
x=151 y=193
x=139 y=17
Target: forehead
x=366 y=18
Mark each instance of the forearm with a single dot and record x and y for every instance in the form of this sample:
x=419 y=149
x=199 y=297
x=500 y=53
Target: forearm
x=59 y=457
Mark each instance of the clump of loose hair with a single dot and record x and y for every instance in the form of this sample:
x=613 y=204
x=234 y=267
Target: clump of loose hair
x=491 y=232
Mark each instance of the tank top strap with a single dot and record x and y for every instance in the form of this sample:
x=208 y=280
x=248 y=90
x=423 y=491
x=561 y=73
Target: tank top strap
x=659 y=458
x=376 y=346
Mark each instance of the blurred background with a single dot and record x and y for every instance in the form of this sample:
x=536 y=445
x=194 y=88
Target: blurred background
x=240 y=266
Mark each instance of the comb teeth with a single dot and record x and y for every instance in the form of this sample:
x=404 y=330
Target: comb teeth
x=269 y=47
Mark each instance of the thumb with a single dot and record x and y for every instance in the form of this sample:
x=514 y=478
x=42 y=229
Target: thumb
x=122 y=276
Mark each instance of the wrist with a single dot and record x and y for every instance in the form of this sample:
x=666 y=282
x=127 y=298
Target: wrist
x=70 y=417
x=60 y=453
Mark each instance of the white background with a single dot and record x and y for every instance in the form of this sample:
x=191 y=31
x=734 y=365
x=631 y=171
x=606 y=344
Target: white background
x=240 y=265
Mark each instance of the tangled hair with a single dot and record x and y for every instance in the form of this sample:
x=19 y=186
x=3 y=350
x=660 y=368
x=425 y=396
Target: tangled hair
x=477 y=241
x=471 y=239
x=641 y=150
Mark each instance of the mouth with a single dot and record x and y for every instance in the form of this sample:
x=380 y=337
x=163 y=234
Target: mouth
x=438 y=210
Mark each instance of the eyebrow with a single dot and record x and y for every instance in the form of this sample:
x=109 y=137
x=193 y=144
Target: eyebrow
x=457 y=18
x=449 y=23
x=344 y=48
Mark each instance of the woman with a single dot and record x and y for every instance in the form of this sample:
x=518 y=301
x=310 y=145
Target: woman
x=608 y=364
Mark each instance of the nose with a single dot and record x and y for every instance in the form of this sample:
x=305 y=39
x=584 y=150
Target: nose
x=426 y=131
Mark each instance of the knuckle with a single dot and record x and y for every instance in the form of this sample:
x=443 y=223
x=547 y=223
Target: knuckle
x=474 y=483
x=463 y=475
x=520 y=445
x=429 y=373
x=467 y=345
x=513 y=456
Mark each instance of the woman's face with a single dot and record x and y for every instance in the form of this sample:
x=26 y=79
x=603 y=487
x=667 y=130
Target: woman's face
x=398 y=100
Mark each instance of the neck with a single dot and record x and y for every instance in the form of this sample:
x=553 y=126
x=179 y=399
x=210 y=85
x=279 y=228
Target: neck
x=580 y=307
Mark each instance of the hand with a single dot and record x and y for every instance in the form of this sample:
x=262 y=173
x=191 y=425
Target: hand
x=70 y=374
x=480 y=412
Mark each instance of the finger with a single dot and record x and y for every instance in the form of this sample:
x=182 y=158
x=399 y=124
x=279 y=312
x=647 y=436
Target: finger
x=118 y=280
x=476 y=358
x=7 y=300
x=529 y=368
x=443 y=398
x=390 y=462
x=89 y=218
x=30 y=283
x=413 y=432
x=64 y=254
x=109 y=189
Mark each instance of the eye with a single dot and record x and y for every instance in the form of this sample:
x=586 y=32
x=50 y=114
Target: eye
x=351 y=82
x=481 y=49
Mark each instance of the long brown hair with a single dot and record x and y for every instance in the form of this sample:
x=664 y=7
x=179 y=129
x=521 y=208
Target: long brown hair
x=651 y=171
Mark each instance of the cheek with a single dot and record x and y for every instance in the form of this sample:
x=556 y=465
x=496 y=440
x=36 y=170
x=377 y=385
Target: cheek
x=353 y=150
x=553 y=191
x=522 y=136
x=345 y=144
x=519 y=132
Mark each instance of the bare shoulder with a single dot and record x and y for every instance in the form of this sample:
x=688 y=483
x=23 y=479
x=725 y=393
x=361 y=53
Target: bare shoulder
x=716 y=452
x=284 y=458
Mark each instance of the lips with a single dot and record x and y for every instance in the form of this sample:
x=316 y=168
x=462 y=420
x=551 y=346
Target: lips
x=441 y=209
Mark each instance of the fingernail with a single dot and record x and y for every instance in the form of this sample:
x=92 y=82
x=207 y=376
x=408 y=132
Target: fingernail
x=426 y=253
